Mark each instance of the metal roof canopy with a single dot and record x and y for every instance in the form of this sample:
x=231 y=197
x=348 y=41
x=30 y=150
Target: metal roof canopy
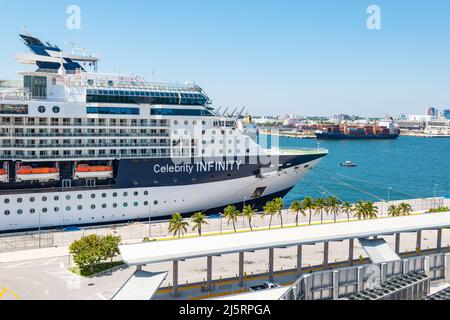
x=141 y=285
x=379 y=251
x=178 y=250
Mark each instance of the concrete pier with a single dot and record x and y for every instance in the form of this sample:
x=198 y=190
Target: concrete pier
x=175 y=279
x=419 y=241
x=241 y=269
x=299 y=260
x=397 y=243
x=209 y=273
x=326 y=254
x=271 y=263
x=351 y=248
x=439 y=240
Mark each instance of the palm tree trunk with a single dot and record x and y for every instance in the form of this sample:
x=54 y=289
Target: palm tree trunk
x=270 y=222
x=335 y=218
x=321 y=217
x=348 y=216
x=281 y=218
x=296 y=220
x=310 y=216
x=250 y=224
x=234 y=226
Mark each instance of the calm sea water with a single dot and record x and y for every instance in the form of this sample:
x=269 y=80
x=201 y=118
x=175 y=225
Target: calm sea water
x=412 y=167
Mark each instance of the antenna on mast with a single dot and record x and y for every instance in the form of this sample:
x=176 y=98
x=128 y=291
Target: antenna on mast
x=240 y=113
x=73 y=45
x=223 y=115
x=28 y=33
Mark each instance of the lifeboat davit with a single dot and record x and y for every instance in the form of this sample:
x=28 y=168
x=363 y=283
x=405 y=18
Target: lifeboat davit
x=85 y=171
x=4 y=175
x=28 y=173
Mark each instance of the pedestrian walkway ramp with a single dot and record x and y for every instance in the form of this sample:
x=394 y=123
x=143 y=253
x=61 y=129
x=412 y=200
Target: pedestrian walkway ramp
x=379 y=251
x=141 y=285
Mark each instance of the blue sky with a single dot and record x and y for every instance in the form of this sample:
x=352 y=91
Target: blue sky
x=273 y=57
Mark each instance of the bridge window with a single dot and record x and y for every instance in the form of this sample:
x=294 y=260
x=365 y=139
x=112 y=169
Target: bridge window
x=113 y=111
x=179 y=112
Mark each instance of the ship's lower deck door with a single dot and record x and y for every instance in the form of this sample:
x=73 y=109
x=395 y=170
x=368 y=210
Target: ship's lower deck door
x=258 y=192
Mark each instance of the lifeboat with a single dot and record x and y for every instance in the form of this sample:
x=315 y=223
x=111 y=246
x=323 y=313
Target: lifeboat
x=28 y=173
x=4 y=175
x=85 y=171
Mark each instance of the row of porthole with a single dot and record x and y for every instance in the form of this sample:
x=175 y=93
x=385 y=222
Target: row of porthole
x=55 y=109
x=175 y=122
x=79 y=208
x=79 y=197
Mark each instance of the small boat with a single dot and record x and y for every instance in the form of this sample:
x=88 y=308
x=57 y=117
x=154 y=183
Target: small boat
x=85 y=171
x=28 y=173
x=4 y=175
x=348 y=164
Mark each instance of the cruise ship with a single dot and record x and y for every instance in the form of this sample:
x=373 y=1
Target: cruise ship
x=80 y=148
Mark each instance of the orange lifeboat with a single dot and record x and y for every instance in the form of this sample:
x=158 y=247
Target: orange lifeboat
x=85 y=171
x=28 y=173
x=4 y=175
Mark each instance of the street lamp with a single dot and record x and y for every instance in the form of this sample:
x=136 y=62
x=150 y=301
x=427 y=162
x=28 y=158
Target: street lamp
x=389 y=197
x=39 y=228
x=150 y=220
x=243 y=208
x=435 y=194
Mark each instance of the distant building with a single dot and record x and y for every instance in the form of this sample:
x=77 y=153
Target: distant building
x=291 y=122
x=411 y=125
x=342 y=117
x=422 y=118
x=446 y=113
x=431 y=112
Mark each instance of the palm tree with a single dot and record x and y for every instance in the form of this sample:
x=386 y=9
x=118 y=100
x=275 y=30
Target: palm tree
x=334 y=206
x=198 y=219
x=231 y=214
x=270 y=209
x=347 y=208
x=249 y=212
x=405 y=209
x=297 y=207
x=178 y=226
x=308 y=204
x=393 y=211
x=279 y=206
x=319 y=206
x=371 y=210
x=360 y=210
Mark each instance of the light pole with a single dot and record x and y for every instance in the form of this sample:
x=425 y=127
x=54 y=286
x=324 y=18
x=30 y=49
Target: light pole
x=39 y=228
x=243 y=208
x=435 y=194
x=389 y=197
x=150 y=220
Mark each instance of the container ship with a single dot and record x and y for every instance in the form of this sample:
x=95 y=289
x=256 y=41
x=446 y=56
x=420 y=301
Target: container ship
x=387 y=129
x=79 y=147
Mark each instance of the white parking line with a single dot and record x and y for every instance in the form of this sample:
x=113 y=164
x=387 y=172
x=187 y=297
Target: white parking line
x=46 y=292
x=49 y=262
x=101 y=296
x=37 y=284
x=18 y=264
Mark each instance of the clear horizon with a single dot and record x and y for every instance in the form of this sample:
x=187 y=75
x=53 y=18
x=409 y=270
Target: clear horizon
x=290 y=57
